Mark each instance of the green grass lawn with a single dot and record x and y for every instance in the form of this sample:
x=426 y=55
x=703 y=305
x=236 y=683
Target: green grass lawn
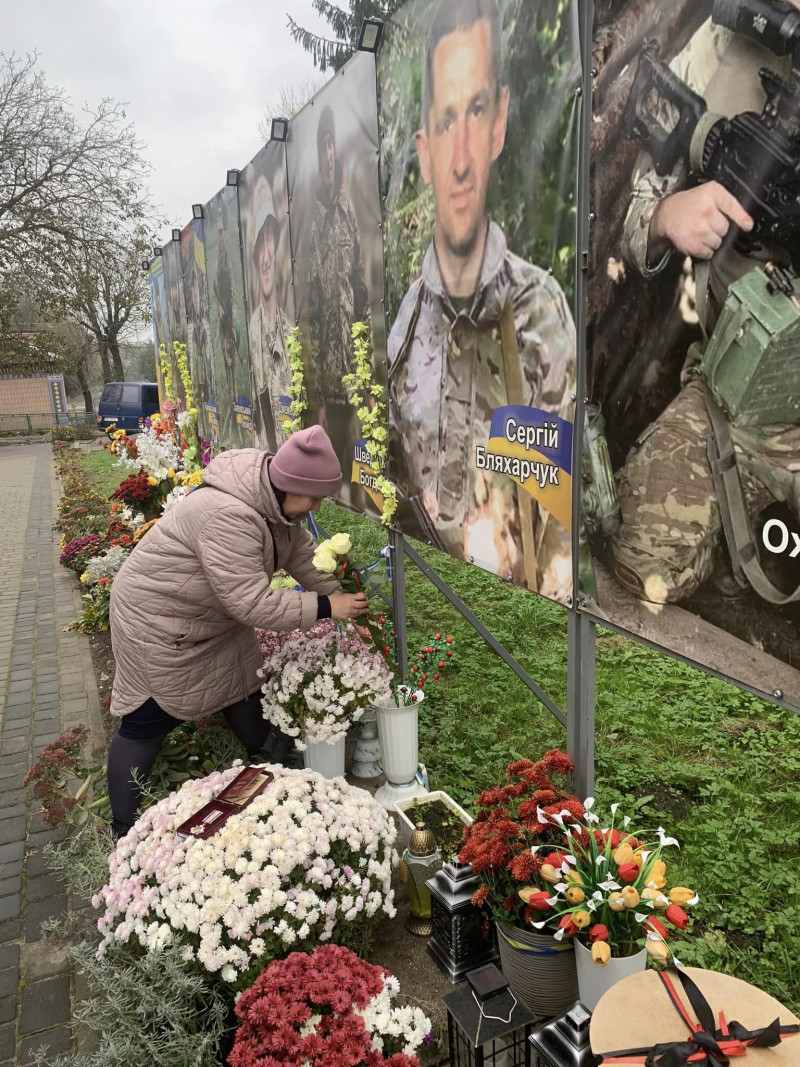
x=103 y=466
x=715 y=766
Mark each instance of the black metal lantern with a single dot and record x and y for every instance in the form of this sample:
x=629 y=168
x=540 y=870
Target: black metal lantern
x=564 y=1041
x=486 y=1025
x=462 y=938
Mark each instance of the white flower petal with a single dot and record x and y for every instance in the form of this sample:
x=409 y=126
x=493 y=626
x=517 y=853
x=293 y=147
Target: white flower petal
x=588 y=804
x=614 y=808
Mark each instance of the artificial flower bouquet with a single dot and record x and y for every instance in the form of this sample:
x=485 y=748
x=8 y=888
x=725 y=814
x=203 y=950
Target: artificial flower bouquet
x=309 y=860
x=608 y=888
x=513 y=830
x=326 y=1009
x=318 y=682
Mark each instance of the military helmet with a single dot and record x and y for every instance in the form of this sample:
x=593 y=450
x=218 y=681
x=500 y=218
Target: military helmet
x=264 y=213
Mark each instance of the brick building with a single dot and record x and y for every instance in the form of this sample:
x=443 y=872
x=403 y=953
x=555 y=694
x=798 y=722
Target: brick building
x=33 y=401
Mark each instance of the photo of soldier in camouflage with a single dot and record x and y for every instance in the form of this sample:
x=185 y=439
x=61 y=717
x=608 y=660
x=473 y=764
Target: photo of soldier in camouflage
x=337 y=256
x=338 y=294
x=709 y=491
x=480 y=329
x=269 y=324
x=198 y=329
x=232 y=387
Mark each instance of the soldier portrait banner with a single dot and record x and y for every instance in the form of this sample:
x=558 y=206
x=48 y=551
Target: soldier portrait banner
x=692 y=497
x=335 y=226
x=479 y=153
x=198 y=328
x=231 y=401
x=267 y=253
x=176 y=311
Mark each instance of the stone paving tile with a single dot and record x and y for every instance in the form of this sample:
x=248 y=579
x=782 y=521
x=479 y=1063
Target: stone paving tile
x=46 y=686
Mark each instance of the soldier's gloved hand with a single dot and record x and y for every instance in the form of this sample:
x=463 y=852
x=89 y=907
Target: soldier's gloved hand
x=695 y=222
x=347 y=606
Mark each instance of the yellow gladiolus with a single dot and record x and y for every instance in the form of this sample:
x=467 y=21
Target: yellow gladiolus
x=601 y=953
x=575 y=895
x=630 y=897
x=681 y=896
x=582 y=919
x=657 y=950
x=658 y=898
x=615 y=902
x=550 y=874
x=623 y=854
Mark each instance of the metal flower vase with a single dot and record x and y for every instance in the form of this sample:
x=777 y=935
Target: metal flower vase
x=594 y=981
x=325 y=759
x=541 y=971
x=398 y=730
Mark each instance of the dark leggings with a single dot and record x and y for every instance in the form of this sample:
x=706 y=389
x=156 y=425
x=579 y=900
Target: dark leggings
x=136 y=744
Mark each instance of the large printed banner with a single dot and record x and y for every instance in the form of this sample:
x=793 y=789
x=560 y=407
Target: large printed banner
x=692 y=496
x=231 y=401
x=158 y=315
x=176 y=311
x=198 y=328
x=335 y=223
x=479 y=127
x=264 y=211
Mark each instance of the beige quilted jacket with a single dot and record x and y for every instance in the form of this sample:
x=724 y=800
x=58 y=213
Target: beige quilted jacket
x=185 y=603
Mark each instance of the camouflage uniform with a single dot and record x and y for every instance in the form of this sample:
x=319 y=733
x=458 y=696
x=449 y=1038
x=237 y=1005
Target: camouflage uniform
x=671 y=529
x=446 y=379
x=338 y=294
x=271 y=377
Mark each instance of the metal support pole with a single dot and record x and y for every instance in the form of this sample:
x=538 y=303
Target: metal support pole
x=488 y=637
x=581 y=633
x=397 y=546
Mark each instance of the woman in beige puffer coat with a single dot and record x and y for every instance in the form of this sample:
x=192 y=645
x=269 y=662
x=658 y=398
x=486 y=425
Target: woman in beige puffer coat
x=187 y=602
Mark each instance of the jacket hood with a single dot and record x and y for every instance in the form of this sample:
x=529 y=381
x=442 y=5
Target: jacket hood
x=242 y=473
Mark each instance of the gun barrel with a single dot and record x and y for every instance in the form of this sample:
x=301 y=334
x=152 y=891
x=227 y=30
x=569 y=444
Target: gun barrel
x=772 y=23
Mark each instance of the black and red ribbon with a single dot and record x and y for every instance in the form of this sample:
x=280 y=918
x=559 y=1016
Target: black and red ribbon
x=708 y=1046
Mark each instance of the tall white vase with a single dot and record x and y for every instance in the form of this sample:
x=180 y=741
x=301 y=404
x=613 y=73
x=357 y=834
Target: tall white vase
x=594 y=981
x=327 y=760
x=398 y=730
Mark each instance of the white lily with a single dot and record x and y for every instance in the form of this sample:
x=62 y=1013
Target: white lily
x=598 y=895
x=609 y=884
x=626 y=821
x=558 y=935
x=591 y=817
x=664 y=840
x=614 y=808
x=588 y=804
x=695 y=900
x=600 y=859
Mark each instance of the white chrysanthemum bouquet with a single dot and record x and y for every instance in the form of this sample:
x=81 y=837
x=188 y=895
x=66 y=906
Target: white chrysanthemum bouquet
x=307 y=861
x=317 y=683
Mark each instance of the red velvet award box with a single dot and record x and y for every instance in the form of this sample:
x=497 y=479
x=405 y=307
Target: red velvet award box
x=235 y=797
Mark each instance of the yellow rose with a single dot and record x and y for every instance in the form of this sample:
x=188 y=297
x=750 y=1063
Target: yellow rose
x=324 y=560
x=623 y=854
x=681 y=896
x=550 y=874
x=601 y=953
x=658 y=898
x=575 y=895
x=341 y=544
x=630 y=896
x=657 y=950
x=615 y=902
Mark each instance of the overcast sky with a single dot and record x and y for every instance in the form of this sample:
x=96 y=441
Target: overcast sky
x=197 y=75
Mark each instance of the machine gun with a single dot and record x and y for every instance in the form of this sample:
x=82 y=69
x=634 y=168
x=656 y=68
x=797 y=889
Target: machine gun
x=755 y=157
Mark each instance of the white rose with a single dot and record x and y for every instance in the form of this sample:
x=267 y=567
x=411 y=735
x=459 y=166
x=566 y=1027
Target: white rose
x=324 y=560
x=341 y=543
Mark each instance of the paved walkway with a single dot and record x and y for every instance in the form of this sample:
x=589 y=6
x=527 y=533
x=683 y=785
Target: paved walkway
x=47 y=685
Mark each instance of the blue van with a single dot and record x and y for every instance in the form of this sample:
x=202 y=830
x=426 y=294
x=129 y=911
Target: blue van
x=125 y=405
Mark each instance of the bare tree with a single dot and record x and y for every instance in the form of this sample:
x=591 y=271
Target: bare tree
x=58 y=175
x=287 y=103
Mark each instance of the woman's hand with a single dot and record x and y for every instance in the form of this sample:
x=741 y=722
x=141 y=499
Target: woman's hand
x=348 y=606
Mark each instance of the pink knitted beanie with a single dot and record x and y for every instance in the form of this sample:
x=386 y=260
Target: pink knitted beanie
x=306 y=465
